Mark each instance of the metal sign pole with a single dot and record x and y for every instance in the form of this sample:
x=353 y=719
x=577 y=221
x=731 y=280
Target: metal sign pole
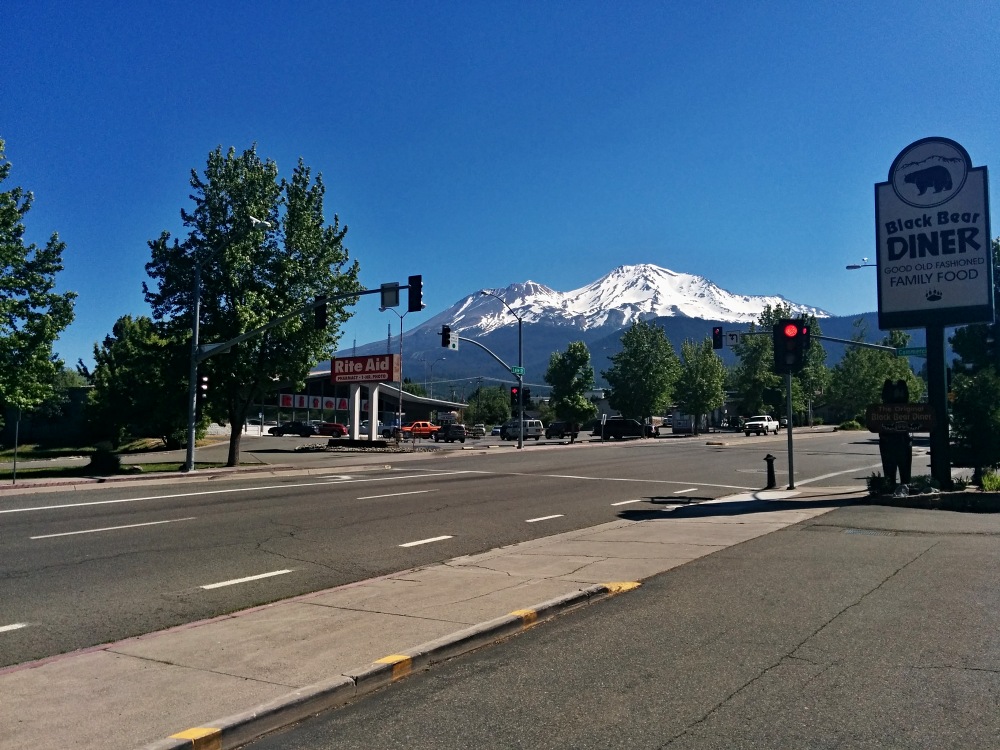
x=791 y=459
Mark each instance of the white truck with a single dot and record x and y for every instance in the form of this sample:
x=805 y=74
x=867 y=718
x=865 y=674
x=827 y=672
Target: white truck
x=762 y=423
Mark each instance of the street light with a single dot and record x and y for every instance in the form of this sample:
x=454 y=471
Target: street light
x=520 y=368
x=399 y=416
x=431 y=384
x=863 y=264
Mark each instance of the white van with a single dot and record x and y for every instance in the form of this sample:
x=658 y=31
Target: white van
x=532 y=429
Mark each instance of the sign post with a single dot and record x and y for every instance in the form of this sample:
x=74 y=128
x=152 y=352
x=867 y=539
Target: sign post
x=934 y=259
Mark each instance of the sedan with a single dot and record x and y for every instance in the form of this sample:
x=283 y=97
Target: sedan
x=302 y=429
x=333 y=429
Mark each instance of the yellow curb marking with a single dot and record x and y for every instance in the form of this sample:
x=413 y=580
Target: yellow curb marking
x=401 y=664
x=620 y=587
x=202 y=738
x=528 y=616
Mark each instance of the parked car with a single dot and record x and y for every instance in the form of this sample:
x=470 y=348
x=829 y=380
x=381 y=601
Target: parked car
x=560 y=430
x=495 y=432
x=619 y=428
x=477 y=431
x=302 y=429
x=762 y=423
x=333 y=429
x=450 y=433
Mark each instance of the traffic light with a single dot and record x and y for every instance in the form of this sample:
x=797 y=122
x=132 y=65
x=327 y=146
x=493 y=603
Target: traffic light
x=513 y=397
x=446 y=337
x=202 y=388
x=415 y=294
x=321 y=313
x=791 y=338
x=717 y=337
x=526 y=394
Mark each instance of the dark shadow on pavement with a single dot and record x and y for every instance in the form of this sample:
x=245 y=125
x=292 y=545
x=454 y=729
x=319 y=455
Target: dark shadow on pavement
x=735 y=508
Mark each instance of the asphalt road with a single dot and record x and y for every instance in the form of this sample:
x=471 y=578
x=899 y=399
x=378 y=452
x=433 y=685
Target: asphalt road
x=866 y=627
x=84 y=568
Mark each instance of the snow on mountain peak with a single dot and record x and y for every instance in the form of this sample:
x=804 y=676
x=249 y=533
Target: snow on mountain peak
x=623 y=296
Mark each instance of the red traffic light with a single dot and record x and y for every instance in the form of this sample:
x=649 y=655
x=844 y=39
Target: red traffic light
x=791 y=330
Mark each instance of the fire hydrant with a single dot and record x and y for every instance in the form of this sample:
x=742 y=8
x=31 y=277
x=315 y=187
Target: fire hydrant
x=771 y=483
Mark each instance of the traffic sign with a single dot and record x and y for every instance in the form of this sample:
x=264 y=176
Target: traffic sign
x=515 y=370
x=912 y=351
x=733 y=337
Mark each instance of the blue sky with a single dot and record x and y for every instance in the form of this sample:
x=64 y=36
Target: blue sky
x=480 y=144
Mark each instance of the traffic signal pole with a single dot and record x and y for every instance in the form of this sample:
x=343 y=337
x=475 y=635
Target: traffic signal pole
x=788 y=407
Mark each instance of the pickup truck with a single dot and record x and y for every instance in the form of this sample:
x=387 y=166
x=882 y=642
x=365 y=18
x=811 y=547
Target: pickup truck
x=762 y=423
x=419 y=430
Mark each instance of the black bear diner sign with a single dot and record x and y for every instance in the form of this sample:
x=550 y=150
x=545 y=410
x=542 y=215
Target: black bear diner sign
x=932 y=223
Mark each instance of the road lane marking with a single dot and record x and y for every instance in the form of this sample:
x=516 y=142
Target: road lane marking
x=425 y=541
x=15 y=626
x=244 y=580
x=836 y=474
x=63 y=506
x=626 y=502
x=689 y=489
x=395 y=494
x=110 y=528
x=544 y=518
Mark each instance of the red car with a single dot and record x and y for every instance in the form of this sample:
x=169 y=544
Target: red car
x=334 y=429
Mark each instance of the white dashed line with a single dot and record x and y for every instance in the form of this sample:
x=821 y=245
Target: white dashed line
x=15 y=626
x=244 y=580
x=425 y=541
x=544 y=518
x=626 y=502
x=689 y=489
x=110 y=528
x=395 y=494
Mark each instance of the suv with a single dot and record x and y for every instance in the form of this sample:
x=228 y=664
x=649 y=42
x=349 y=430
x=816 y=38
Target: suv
x=560 y=430
x=450 y=433
x=762 y=423
x=619 y=428
x=477 y=431
x=302 y=429
x=532 y=429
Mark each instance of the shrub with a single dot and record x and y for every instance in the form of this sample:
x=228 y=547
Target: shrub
x=104 y=460
x=878 y=484
x=989 y=482
x=849 y=425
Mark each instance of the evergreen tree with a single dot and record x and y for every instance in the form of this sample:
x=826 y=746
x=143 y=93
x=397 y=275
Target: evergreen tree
x=701 y=385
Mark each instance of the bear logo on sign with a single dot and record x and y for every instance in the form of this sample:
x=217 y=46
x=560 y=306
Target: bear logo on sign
x=937 y=177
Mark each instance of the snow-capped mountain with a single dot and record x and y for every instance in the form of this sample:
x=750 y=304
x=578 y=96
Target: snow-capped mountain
x=627 y=294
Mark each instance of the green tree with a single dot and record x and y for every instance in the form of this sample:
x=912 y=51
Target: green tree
x=490 y=405
x=643 y=373
x=760 y=389
x=32 y=313
x=571 y=375
x=701 y=385
x=140 y=385
x=264 y=249
x=858 y=378
x=976 y=388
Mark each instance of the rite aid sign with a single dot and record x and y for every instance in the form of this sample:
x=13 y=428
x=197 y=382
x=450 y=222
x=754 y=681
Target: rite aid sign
x=380 y=367
x=932 y=222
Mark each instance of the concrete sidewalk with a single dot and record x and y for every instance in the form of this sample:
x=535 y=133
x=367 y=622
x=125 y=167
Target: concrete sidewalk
x=220 y=682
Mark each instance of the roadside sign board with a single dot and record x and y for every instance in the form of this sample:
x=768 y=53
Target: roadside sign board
x=912 y=351
x=515 y=370
x=374 y=369
x=932 y=226
x=899 y=418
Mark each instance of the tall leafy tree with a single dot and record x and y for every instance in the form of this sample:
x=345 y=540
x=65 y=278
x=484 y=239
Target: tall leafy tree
x=701 y=384
x=571 y=375
x=265 y=249
x=32 y=313
x=858 y=378
x=489 y=405
x=642 y=375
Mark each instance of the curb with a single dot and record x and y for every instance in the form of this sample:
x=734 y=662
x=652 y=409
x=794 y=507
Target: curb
x=238 y=729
